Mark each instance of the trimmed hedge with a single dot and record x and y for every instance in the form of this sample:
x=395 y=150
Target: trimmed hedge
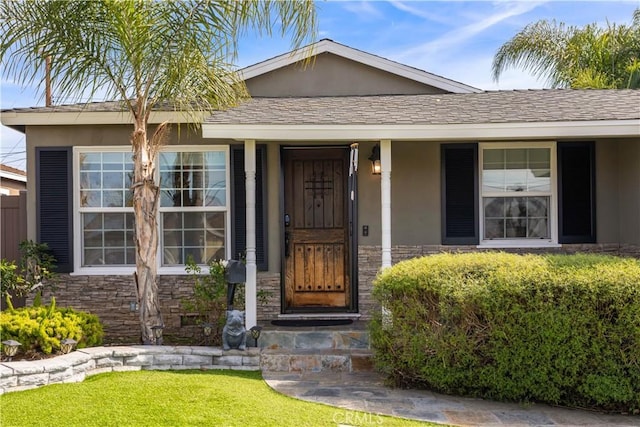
x=561 y=329
x=40 y=329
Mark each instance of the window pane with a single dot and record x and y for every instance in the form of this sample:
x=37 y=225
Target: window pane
x=93 y=239
x=107 y=238
x=90 y=180
x=215 y=160
x=114 y=256
x=92 y=221
x=114 y=239
x=493 y=159
x=93 y=257
x=105 y=171
x=197 y=234
x=193 y=179
x=523 y=169
x=516 y=217
x=494 y=207
x=538 y=228
x=515 y=228
x=537 y=207
x=114 y=221
x=516 y=180
x=169 y=161
x=539 y=158
x=90 y=161
x=130 y=256
x=172 y=256
x=113 y=180
x=193 y=220
x=493 y=180
x=494 y=228
x=90 y=199
x=194 y=238
x=112 y=199
x=516 y=158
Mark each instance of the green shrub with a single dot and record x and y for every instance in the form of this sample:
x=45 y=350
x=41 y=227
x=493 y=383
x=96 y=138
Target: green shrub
x=551 y=328
x=40 y=329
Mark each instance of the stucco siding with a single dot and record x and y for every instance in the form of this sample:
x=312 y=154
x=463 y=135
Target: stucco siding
x=332 y=75
x=607 y=193
x=629 y=190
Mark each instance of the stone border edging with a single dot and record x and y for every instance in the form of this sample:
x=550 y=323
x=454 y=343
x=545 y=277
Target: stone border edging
x=79 y=364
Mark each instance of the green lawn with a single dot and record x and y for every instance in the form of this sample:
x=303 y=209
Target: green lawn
x=173 y=398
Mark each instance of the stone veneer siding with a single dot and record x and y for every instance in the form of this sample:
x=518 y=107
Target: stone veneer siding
x=76 y=366
x=109 y=297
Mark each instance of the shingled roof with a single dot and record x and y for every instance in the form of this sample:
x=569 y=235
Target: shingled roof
x=549 y=105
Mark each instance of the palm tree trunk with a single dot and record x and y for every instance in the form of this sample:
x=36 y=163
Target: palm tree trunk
x=145 y=207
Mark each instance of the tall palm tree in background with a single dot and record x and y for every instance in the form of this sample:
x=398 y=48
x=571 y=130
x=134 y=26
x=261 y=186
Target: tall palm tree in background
x=143 y=53
x=579 y=58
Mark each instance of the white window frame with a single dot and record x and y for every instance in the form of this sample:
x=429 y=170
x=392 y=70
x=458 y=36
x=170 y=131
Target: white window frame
x=553 y=195
x=128 y=270
x=178 y=270
x=79 y=269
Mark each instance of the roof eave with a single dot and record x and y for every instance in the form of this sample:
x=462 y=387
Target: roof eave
x=426 y=132
x=18 y=120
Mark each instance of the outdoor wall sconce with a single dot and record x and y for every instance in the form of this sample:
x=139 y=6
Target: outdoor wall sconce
x=207 y=329
x=67 y=345
x=376 y=166
x=157 y=333
x=255 y=333
x=10 y=348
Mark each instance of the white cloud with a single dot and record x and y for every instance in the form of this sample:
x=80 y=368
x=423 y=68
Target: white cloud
x=458 y=36
x=364 y=9
x=404 y=6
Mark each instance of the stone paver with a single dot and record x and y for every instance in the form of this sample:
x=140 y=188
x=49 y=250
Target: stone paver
x=365 y=391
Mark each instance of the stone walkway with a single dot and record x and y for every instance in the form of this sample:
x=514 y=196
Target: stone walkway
x=364 y=391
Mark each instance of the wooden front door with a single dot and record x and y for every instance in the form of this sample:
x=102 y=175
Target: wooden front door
x=316 y=267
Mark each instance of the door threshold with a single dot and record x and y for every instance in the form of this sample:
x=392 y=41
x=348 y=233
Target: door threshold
x=319 y=316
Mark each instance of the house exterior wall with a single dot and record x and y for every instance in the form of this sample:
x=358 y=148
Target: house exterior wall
x=629 y=191
x=415 y=193
x=332 y=75
x=415 y=222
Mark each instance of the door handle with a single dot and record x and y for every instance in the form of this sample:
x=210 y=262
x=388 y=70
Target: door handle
x=287 y=241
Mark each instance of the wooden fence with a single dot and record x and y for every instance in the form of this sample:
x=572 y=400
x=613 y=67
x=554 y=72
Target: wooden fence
x=13 y=219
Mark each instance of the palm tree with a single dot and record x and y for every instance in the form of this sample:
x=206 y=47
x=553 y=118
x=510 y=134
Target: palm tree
x=143 y=53
x=568 y=56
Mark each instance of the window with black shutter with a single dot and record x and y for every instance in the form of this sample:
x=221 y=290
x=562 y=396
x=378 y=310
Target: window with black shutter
x=238 y=206
x=459 y=180
x=54 y=196
x=576 y=192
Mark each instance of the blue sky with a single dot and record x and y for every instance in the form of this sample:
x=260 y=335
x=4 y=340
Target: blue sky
x=454 y=39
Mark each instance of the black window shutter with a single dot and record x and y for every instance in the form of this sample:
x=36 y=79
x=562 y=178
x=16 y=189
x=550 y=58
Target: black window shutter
x=238 y=206
x=459 y=193
x=576 y=192
x=54 y=197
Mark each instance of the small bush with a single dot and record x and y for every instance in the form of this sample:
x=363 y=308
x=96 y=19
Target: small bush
x=40 y=329
x=551 y=328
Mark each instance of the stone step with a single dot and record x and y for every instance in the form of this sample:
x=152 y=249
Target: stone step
x=309 y=360
x=305 y=339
